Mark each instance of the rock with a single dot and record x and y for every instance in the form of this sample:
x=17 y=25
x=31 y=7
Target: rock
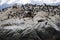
x=30 y=22
x=40 y=16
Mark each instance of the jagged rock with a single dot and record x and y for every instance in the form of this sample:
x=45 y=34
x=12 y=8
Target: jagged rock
x=44 y=31
x=40 y=16
x=30 y=22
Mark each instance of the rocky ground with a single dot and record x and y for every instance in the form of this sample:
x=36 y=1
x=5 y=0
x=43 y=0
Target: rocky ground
x=30 y=22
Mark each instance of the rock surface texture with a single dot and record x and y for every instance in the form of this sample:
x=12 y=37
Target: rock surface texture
x=30 y=22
